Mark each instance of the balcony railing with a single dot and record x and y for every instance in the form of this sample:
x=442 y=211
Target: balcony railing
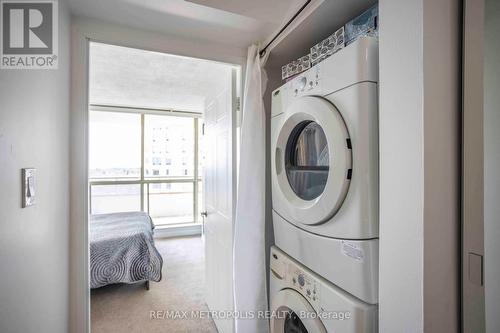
x=168 y=199
x=173 y=200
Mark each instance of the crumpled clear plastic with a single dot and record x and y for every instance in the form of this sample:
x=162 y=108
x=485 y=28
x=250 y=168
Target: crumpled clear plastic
x=365 y=24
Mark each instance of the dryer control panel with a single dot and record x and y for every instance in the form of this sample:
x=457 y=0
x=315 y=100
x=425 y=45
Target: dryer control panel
x=307 y=83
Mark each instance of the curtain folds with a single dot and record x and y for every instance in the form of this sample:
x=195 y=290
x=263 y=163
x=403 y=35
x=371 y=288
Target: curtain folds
x=249 y=272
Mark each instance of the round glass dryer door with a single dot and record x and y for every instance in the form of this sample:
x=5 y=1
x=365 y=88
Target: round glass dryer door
x=312 y=161
x=307 y=160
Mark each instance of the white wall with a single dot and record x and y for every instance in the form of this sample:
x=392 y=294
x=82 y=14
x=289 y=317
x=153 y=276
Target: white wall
x=82 y=30
x=34 y=132
x=419 y=165
x=401 y=166
x=125 y=36
x=492 y=165
x=442 y=159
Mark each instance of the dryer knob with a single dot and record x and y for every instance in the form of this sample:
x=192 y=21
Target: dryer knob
x=303 y=82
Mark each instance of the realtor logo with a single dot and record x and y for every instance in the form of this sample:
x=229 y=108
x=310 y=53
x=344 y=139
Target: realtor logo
x=28 y=34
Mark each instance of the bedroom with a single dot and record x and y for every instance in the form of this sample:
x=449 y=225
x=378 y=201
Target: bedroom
x=148 y=160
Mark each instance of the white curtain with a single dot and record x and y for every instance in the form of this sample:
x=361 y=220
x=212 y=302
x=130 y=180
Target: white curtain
x=249 y=259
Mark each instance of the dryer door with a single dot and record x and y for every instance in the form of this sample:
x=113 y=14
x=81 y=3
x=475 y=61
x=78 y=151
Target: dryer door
x=312 y=163
x=292 y=313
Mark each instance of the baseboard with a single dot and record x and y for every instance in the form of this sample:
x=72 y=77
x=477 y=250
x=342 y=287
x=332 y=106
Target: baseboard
x=193 y=229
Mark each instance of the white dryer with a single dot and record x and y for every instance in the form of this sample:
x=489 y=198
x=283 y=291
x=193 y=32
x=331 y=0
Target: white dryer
x=324 y=153
x=302 y=301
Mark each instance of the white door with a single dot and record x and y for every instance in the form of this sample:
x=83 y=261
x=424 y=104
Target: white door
x=219 y=189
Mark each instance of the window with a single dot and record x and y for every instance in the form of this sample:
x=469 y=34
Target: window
x=114 y=145
x=172 y=204
x=307 y=160
x=150 y=148
x=115 y=198
x=118 y=140
x=156 y=160
x=180 y=131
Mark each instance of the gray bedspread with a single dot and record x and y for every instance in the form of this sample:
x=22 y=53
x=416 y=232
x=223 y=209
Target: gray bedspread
x=122 y=249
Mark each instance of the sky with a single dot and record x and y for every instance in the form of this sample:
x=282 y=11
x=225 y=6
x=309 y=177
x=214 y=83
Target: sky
x=117 y=133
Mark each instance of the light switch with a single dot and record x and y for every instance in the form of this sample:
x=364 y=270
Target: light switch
x=29 y=186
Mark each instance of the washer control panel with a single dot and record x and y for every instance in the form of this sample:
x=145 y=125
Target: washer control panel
x=294 y=276
x=304 y=283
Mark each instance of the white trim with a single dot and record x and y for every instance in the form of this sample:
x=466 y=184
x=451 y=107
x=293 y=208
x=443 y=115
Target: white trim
x=142 y=169
x=190 y=229
x=83 y=31
x=141 y=110
x=473 y=316
x=110 y=33
x=136 y=181
x=196 y=172
x=79 y=321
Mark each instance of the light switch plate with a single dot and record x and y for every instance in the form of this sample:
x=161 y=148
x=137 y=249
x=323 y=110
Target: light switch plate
x=29 y=187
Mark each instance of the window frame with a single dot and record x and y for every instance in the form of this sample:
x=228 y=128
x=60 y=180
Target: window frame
x=145 y=182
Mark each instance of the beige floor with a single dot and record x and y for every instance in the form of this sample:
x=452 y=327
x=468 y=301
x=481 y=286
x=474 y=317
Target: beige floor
x=127 y=308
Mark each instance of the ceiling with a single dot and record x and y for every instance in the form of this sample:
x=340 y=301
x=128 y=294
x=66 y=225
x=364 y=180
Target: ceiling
x=235 y=22
x=137 y=78
x=262 y=10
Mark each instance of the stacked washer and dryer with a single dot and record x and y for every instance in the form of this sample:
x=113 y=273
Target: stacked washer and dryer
x=324 y=152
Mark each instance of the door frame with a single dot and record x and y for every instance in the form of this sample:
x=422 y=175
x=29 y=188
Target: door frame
x=83 y=32
x=472 y=289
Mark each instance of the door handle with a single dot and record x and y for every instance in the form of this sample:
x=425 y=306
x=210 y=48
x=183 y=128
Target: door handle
x=204 y=214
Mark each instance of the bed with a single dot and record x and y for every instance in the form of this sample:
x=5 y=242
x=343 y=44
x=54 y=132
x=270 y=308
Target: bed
x=122 y=249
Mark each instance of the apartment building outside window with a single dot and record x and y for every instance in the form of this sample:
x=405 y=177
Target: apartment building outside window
x=145 y=161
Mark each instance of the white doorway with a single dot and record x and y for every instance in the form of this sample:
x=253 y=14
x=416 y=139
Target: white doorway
x=162 y=141
x=480 y=167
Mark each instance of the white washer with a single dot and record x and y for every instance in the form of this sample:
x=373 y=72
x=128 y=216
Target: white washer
x=324 y=155
x=302 y=301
